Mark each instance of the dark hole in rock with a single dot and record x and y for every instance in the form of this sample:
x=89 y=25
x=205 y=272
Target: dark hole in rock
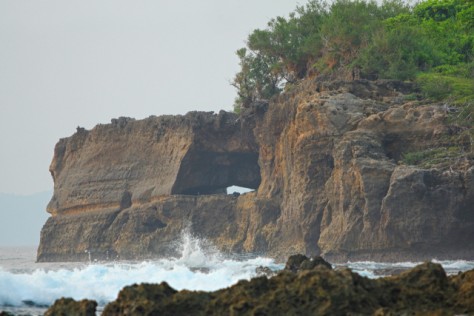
x=204 y=172
x=394 y=147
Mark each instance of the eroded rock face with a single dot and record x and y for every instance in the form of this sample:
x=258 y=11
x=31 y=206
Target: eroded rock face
x=332 y=160
x=116 y=165
x=154 y=229
x=325 y=160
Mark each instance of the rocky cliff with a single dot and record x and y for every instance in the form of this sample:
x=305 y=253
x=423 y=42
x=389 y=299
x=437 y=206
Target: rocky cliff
x=325 y=160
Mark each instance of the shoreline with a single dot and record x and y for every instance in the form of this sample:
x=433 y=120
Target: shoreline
x=169 y=270
x=305 y=285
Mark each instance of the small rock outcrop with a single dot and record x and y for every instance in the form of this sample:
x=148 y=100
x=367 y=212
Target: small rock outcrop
x=424 y=290
x=300 y=262
x=70 y=307
x=326 y=161
x=264 y=271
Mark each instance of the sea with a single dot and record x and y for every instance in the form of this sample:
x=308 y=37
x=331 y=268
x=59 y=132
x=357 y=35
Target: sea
x=28 y=288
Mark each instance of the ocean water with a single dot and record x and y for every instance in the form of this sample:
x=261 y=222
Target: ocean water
x=28 y=288
x=372 y=269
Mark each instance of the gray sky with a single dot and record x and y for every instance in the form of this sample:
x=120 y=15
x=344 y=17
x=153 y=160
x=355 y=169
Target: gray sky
x=69 y=63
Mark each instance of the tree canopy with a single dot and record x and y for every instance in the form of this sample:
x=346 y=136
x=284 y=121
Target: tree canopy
x=432 y=40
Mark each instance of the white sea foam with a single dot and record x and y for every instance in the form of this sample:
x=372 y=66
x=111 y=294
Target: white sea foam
x=373 y=269
x=198 y=268
x=456 y=266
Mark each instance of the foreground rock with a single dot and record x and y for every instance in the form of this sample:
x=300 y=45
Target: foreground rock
x=69 y=307
x=325 y=159
x=424 y=290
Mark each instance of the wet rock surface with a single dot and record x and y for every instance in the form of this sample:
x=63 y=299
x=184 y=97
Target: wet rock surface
x=423 y=290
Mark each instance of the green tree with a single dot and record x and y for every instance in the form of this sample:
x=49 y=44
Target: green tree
x=257 y=79
x=378 y=40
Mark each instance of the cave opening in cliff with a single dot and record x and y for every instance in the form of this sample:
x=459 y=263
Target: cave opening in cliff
x=210 y=172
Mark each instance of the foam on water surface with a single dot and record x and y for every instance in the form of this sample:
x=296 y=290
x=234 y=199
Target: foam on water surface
x=200 y=267
x=373 y=269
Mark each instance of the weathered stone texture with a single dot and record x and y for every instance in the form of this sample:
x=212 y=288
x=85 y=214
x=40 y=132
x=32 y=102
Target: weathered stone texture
x=325 y=159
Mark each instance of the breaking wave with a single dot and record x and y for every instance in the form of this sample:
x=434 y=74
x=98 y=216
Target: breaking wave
x=199 y=267
x=29 y=288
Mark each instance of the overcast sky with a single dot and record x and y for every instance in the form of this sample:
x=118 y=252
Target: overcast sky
x=69 y=63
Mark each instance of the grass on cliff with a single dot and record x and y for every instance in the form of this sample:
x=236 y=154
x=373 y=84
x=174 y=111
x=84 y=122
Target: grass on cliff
x=432 y=157
x=453 y=86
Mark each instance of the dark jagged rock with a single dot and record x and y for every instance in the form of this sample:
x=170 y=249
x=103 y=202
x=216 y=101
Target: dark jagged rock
x=264 y=271
x=294 y=262
x=299 y=262
x=160 y=299
x=464 y=284
x=424 y=290
x=325 y=160
x=70 y=307
x=319 y=261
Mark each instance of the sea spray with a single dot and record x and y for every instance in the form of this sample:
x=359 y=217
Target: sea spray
x=198 y=267
x=196 y=252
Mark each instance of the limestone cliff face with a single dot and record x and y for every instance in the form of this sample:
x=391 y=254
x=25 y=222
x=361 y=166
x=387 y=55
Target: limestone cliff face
x=325 y=160
x=127 y=189
x=127 y=162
